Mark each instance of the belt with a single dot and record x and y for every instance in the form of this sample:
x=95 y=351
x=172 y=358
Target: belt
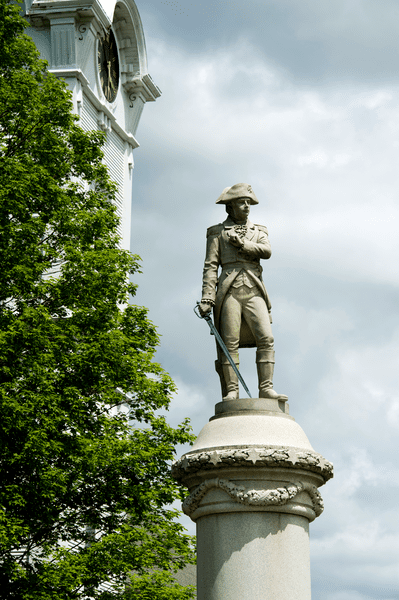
x=241 y=265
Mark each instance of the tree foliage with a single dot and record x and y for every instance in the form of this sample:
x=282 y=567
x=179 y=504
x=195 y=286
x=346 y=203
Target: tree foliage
x=83 y=494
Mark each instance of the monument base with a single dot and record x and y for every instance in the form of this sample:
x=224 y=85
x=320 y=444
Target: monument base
x=253 y=477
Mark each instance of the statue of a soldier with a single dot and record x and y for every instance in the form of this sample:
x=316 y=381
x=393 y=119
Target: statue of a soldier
x=238 y=296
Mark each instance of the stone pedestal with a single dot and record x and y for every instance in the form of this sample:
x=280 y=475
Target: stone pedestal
x=253 y=476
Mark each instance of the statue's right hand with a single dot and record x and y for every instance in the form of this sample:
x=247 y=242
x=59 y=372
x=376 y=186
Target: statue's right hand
x=204 y=308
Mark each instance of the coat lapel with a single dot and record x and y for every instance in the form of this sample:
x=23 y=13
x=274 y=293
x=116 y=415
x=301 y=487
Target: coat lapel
x=251 y=230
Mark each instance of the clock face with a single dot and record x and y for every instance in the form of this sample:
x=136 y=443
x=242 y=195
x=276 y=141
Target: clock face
x=108 y=65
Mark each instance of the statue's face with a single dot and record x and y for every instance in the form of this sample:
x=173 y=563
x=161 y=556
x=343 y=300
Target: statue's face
x=241 y=208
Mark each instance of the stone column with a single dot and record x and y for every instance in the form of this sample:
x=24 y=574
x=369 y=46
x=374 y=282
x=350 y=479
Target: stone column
x=253 y=477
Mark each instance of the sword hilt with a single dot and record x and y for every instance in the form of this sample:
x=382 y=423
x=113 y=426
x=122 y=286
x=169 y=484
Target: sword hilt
x=206 y=317
x=196 y=310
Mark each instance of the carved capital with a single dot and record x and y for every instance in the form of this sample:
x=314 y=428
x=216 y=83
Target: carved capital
x=265 y=456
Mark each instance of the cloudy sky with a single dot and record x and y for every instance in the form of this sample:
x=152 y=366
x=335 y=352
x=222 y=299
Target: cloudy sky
x=299 y=98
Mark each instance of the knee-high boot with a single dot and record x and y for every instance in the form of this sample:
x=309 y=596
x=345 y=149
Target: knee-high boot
x=265 y=367
x=231 y=381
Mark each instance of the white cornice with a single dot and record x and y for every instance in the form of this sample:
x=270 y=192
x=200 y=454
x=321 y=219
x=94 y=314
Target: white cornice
x=143 y=85
x=100 y=106
x=55 y=8
x=65 y=73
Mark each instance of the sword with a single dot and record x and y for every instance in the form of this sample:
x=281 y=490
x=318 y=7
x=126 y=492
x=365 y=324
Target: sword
x=222 y=345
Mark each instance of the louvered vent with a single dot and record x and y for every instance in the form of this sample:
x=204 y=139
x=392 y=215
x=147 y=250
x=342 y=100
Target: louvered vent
x=89 y=115
x=114 y=150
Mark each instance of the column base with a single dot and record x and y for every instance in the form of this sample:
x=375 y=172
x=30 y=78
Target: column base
x=253 y=481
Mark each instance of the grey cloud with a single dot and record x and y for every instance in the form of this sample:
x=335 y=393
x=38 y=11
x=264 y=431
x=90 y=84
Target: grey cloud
x=323 y=161
x=312 y=41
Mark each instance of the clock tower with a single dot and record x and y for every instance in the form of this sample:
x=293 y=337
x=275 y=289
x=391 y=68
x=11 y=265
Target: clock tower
x=98 y=47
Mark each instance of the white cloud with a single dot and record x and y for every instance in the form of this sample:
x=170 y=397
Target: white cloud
x=365 y=387
x=187 y=396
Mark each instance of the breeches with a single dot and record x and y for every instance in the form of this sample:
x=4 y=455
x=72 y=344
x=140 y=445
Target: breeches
x=246 y=303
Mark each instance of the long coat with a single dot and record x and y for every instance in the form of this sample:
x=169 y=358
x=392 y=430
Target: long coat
x=233 y=261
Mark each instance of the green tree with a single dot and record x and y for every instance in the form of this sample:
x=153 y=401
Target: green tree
x=83 y=494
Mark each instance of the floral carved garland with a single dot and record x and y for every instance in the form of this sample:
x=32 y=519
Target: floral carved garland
x=276 y=497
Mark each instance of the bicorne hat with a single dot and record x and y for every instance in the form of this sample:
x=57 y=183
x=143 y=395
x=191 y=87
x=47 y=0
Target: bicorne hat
x=239 y=190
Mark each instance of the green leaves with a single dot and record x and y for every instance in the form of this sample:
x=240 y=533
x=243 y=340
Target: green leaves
x=83 y=493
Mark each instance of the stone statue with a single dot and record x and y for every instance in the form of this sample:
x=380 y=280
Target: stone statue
x=239 y=298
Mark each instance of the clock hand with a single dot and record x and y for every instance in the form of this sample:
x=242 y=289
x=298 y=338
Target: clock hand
x=110 y=76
